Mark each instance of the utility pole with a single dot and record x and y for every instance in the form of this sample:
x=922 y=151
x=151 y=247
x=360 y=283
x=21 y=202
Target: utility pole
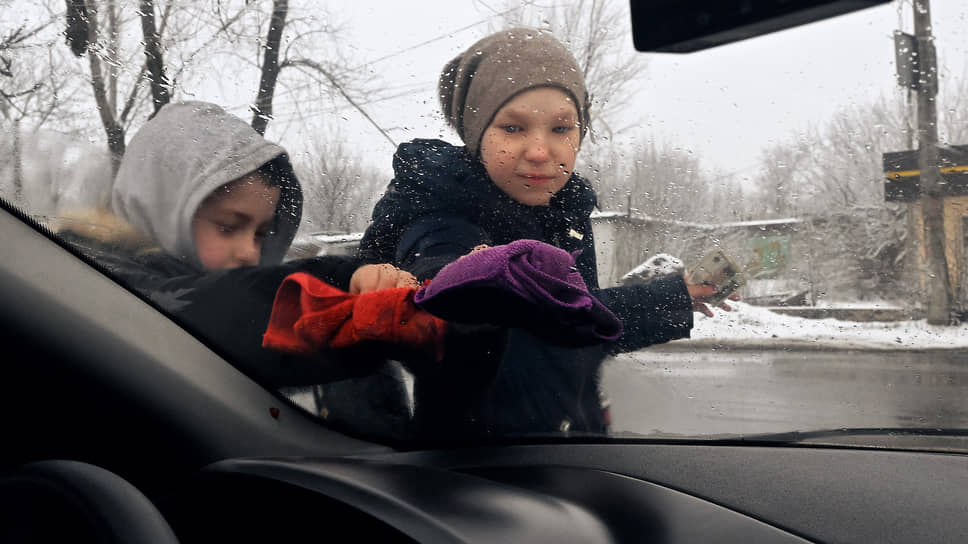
x=939 y=299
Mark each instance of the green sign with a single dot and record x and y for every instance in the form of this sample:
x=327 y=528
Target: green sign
x=770 y=256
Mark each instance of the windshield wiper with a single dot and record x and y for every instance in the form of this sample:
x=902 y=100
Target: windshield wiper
x=793 y=437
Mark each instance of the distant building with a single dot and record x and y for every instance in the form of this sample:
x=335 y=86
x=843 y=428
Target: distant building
x=853 y=257
x=795 y=261
x=902 y=183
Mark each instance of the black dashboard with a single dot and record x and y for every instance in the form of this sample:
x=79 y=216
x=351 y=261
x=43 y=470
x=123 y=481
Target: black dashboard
x=593 y=493
x=95 y=375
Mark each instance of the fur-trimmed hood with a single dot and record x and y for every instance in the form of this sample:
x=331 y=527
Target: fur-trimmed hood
x=116 y=244
x=101 y=227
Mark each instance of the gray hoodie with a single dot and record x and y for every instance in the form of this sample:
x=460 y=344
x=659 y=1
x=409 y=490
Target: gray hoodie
x=181 y=156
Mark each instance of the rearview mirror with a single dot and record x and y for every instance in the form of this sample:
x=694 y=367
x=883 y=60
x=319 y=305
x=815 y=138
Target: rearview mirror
x=684 y=26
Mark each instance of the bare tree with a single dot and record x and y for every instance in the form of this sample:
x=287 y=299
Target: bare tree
x=782 y=179
x=838 y=166
x=262 y=111
x=665 y=182
x=339 y=187
x=154 y=62
x=84 y=34
x=669 y=183
x=953 y=112
x=30 y=95
x=303 y=41
x=328 y=69
x=835 y=167
x=143 y=53
x=112 y=126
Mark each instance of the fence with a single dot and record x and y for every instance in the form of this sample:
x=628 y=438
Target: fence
x=857 y=257
x=854 y=257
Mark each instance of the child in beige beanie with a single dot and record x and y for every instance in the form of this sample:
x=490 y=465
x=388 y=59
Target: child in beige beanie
x=518 y=100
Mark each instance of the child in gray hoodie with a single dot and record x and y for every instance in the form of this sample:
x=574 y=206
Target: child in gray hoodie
x=203 y=211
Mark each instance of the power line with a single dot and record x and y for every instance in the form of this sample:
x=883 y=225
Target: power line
x=358 y=105
x=486 y=5
x=404 y=90
x=740 y=170
x=441 y=37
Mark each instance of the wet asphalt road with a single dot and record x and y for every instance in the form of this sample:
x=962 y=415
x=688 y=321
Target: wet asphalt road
x=705 y=392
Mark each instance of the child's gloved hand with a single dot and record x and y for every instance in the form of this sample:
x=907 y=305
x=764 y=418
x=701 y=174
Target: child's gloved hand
x=373 y=277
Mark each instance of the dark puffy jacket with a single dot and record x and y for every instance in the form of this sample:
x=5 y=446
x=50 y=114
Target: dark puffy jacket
x=357 y=390
x=228 y=309
x=440 y=205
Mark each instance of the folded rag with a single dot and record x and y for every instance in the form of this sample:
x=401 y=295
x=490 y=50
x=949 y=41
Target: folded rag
x=309 y=315
x=525 y=284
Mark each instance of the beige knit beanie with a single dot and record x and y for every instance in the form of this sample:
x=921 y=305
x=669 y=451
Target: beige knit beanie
x=478 y=82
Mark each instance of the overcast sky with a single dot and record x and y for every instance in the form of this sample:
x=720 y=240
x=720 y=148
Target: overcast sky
x=725 y=103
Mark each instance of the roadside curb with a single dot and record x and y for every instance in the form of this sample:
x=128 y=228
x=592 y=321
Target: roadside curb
x=786 y=344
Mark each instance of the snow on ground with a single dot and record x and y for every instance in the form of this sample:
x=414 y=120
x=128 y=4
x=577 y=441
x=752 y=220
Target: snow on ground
x=752 y=326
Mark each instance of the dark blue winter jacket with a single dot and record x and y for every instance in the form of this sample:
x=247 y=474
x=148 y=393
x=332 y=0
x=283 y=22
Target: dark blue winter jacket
x=440 y=204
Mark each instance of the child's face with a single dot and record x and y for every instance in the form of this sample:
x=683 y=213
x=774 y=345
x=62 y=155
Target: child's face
x=529 y=149
x=232 y=222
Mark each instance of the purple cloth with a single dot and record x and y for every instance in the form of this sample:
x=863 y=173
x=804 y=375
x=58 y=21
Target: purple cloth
x=525 y=284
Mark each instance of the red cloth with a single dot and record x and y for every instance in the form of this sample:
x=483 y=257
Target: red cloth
x=309 y=315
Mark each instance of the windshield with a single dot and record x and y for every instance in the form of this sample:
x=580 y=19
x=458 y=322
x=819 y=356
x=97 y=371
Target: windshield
x=764 y=240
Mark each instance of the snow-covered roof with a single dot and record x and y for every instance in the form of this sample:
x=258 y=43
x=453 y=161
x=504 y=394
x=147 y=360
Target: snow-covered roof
x=330 y=238
x=735 y=224
x=334 y=238
x=607 y=215
x=761 y=223
x=612 y=215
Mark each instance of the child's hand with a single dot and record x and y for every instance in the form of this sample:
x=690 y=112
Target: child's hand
x=700 y=293
x=372 y=277
x=475 y=250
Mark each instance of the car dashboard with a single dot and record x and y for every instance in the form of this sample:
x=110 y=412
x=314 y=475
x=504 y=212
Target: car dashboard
x=124 y=420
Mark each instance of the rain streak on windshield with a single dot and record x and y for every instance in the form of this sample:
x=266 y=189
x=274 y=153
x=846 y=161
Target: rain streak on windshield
x=231 y=160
